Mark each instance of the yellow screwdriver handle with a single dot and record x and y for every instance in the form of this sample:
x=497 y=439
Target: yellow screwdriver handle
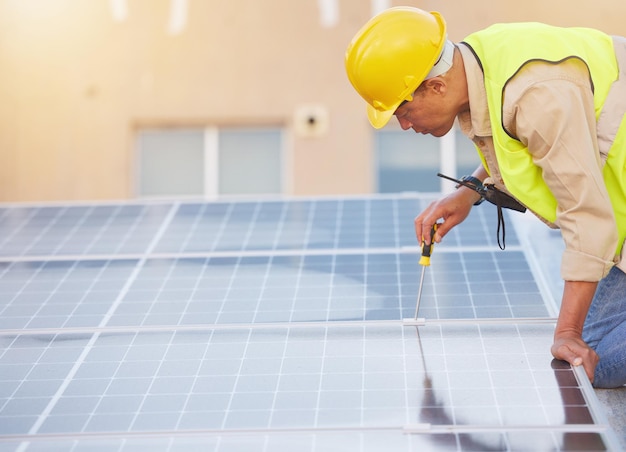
x=428 y=249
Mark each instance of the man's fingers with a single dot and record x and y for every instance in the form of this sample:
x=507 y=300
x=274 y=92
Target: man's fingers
x=426 y=229
x=418 y=221
x=565 y=353
x=422 y=229
x=442 y=230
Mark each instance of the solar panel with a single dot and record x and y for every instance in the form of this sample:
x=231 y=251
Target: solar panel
x=240 y=289
x=245 y=226
x=276 y=325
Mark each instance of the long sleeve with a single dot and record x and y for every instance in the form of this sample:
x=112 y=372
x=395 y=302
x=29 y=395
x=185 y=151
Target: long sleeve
x=553 y=116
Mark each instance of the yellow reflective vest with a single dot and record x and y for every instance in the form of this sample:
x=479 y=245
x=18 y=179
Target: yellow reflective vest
x=512 y=46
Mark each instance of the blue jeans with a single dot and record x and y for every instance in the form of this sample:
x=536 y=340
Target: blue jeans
x=605 y=330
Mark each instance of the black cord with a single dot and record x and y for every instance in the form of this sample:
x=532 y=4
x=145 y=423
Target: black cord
x=501 y=223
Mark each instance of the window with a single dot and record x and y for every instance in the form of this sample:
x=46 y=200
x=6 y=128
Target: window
x=406 y=161
x=209 y=161
x=171 y=162
x=249 y=161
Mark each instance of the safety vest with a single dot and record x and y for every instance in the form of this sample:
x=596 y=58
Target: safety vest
x=512 y=46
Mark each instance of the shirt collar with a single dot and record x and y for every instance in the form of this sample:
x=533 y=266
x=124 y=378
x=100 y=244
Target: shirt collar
x=475 y=122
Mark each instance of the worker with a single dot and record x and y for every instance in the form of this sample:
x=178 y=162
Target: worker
x=544 y=107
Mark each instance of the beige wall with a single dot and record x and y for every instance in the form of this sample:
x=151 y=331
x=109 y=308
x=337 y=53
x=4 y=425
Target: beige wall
x=75 y=84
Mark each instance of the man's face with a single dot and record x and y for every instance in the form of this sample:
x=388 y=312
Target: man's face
x=427 y=113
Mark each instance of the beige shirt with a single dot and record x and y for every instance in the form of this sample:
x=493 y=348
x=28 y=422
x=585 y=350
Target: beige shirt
x=549 y=108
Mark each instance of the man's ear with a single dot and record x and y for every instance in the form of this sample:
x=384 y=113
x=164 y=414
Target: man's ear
x=437 y=85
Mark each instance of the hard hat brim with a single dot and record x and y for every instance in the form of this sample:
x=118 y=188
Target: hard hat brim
x=378 y=119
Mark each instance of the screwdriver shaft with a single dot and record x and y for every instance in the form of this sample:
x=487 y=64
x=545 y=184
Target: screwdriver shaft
x=425 y=262
x=419 y=293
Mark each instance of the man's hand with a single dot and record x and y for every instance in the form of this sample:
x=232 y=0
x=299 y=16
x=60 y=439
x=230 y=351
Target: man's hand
x=576 y=352
x=568 y=344
x=453 y=208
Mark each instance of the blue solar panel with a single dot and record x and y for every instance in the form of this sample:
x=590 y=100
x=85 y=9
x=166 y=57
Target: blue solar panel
x=276 y=325
x=355 y=376
x=79 y=230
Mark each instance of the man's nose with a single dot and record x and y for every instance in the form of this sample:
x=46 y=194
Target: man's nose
x=405 y=124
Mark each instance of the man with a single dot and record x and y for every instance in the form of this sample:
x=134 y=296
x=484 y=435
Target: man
x=544 y=107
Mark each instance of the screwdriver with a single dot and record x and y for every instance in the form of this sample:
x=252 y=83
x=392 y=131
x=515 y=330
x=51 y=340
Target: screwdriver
x=425 y=262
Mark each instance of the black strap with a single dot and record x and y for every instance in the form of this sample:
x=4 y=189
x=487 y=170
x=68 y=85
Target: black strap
x=496 y=197
x=501 y=223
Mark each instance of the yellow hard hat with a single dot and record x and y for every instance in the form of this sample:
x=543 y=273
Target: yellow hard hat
x=391 y=55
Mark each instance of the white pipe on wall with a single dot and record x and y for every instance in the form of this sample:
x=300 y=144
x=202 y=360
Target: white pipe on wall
x=378 y=6
x=329 y=12
x=119 y=10
x=178 y=17
x=211 y=162
x=447 y=151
